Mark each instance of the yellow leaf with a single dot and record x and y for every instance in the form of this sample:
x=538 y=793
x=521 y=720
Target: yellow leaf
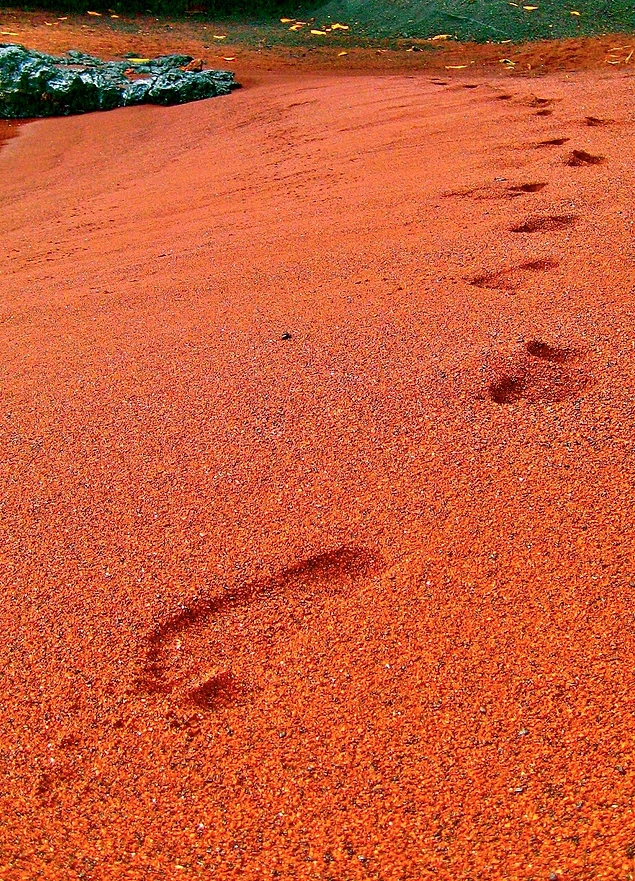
x=114 y=16
x=94 y=13
x=231 y=58
x=9 y=34
x=530 y=8
x=628 y=57
x=442 y=37
x=286 y=20
x=63 y=19
x=138 y=60
x=574 y=13
x=339 y=27
x=612 y=62
x=295 y=27
x=455 y=66
x=339 y=54
x=220 y=36
x=48 y=24
x=320 y=33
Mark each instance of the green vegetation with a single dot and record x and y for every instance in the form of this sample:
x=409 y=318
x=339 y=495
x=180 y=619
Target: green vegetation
x=479 y=20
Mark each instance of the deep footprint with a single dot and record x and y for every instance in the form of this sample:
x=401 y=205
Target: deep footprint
x=545 y=223
x=507 y=389
x=538 y=349
x=595 y=121
x=540 y=377
x=578 y=158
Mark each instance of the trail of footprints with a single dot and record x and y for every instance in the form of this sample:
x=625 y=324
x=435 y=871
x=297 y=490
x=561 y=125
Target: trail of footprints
x=191 y=656
x=541 y=373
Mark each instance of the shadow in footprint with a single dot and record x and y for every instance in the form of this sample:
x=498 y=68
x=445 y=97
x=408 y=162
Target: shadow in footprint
x=507 y=389
x=321 y=574
x=539 y=376
x=540 y=102
x=544 y=113
x=552 y=142
x=595 y=121
x=545 y=223
x=509 y=279
x=526 y=188
x=578 y=158
x=538 y=349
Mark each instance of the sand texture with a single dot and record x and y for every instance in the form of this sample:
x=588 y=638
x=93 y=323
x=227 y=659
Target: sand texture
x=316 y=483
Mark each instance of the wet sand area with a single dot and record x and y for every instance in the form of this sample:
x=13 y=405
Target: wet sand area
x=317 y=469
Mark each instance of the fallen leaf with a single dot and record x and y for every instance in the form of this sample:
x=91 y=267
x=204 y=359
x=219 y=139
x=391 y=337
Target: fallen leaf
x=94 y=13
x=455 y=66
x=319 y=33
x=220 y=36
x=442 y=37
x=339 y=27
x=9 y=34
x=339 y=54
x=114 y=16
x=507 y=61
x=612 y=62
x=231 y=58
x=506 y=41
x=573 y=12
x=530 y=8
x=628 y=57
x=286 y=20
x=48 y=24
x=138 y=60
x=63 y=19
x=295 y=27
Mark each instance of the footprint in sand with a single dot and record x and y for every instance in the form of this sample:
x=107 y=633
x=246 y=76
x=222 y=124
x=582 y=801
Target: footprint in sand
x=544 y=223
x=542 y=374
x=510 y=279
x=190 y=656
x=579 y=158
x=490 y=192
x=595 y=121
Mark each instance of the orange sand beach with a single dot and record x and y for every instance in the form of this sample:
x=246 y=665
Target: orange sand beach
x=317 y=473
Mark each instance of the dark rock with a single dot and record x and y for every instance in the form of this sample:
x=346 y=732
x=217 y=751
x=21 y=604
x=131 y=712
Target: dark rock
x=34 y=84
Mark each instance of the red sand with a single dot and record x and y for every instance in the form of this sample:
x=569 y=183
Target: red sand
x=353 y=604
